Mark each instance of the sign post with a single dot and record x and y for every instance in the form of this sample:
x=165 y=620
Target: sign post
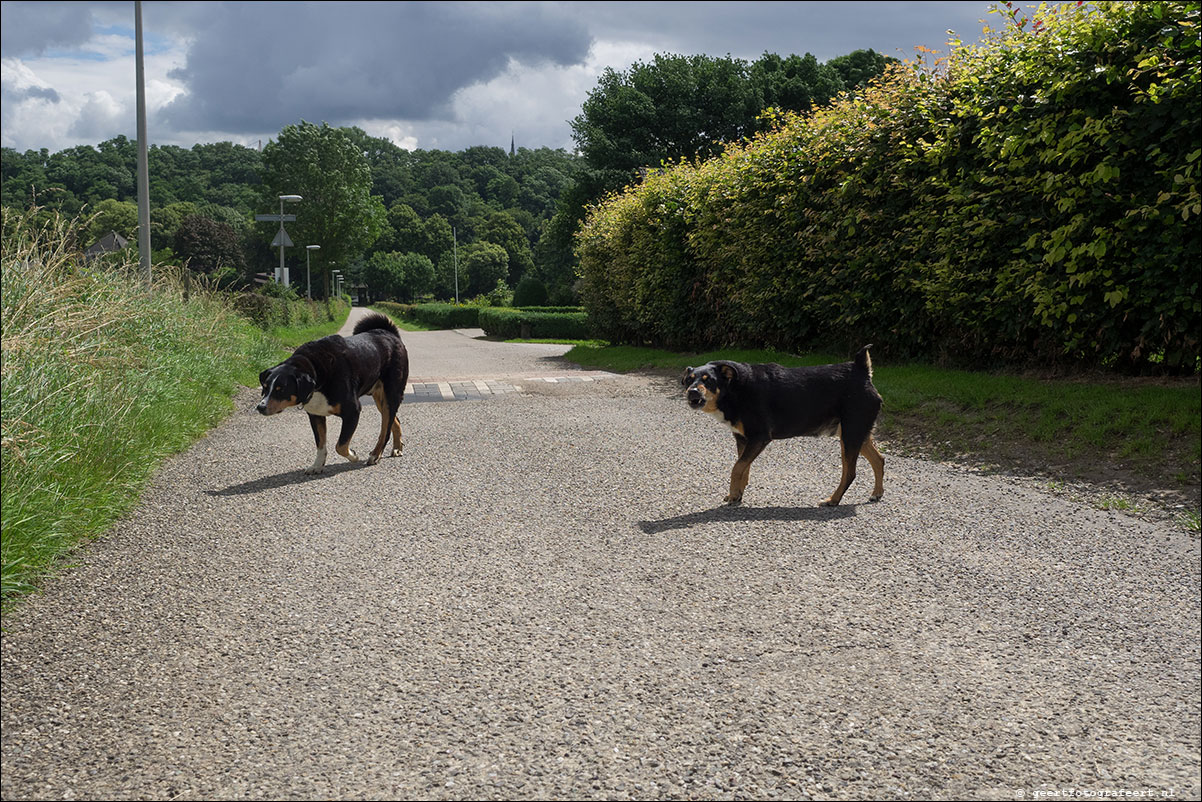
x=282 y=240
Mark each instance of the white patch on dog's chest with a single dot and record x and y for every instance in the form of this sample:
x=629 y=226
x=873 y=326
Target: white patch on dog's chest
x=319 y=405
x=717 y=413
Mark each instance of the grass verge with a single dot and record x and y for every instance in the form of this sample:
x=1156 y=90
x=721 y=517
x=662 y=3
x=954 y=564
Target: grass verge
x=1141 y=434
x=102 y=379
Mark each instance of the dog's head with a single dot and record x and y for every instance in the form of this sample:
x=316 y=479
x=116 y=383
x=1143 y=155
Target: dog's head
x=706 y=383
x=286 y=385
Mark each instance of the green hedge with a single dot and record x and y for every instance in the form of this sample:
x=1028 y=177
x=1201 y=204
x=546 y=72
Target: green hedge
x=551 y=308
x=534 y=323
x=401 y=311
x=267 y=311
x=1037 y=200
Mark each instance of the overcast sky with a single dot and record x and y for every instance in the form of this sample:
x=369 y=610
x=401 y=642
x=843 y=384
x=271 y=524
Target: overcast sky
x=442 y=75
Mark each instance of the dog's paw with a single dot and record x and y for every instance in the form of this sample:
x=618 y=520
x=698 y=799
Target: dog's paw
x=826 y=502
x=312 y=469
x=373 y=458
x=733 y=501
x=876 y=497
x=396 y=452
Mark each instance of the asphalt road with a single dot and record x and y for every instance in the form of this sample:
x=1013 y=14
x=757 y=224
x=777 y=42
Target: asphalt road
x=543 y=598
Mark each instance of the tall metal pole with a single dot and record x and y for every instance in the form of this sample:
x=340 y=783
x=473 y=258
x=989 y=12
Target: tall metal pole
x=143 y=164
x=280 y=279
x=455 y=255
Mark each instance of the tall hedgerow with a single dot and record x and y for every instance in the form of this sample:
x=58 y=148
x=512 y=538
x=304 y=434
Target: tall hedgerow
x=1034 y=198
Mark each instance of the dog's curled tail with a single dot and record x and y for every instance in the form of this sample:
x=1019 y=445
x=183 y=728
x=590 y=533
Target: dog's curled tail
x=864 y=361
x=376 y=321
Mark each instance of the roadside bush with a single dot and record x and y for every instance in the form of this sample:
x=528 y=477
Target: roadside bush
x=534 y=324
x=286 y=308
x=401 y=311
x=446 y=316
x=529 y=292
x=1035 y=201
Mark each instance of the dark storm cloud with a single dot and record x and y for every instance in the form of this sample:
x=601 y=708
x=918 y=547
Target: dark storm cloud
x=29 y=29
x=259 y=66
x=747 y=30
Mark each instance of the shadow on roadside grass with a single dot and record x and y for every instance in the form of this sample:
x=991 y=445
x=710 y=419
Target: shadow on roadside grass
x=731 y=514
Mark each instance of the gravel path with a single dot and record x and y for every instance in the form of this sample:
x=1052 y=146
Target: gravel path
x=543 y=599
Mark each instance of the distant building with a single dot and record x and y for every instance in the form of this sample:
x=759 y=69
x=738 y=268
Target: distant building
x=109 y=243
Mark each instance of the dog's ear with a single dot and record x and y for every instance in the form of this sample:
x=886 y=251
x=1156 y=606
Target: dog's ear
x=729 y=372
x=263 y=376
x=684 y=377
x=305 y=385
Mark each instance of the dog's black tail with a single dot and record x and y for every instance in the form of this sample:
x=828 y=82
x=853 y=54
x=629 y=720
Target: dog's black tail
x=864 y=361
x=376 y=321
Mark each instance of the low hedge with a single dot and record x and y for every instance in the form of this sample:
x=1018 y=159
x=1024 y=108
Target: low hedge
x=534 y=323
x=436 y=316
x=402 y=311
x=267 y=311
x=559 y=309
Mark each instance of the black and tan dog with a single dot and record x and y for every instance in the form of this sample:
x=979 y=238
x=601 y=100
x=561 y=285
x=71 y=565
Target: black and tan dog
x=327 y=377
x=762 y=403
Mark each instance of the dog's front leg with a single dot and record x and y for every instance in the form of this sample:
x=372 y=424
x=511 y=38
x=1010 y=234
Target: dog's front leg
x=319 y=434
x=748 y=451
x=350 y=420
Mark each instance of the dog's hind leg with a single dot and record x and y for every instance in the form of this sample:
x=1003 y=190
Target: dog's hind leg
x=388 y=423
x=350 y=421
x=873 y=455
x=748 y=451
x=850 y=455
x=318 y=423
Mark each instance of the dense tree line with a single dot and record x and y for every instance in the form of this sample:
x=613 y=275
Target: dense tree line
x=411 y=223
x=425 y=202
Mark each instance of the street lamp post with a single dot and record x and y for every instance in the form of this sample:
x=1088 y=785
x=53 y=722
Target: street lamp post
x=336 y=275
x=308 y=281
x=283 y=237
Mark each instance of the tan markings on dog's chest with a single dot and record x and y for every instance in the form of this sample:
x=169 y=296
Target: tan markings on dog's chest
x=320 y=405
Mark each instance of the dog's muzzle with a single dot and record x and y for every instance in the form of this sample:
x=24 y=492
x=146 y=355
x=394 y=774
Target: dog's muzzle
x=696 y=399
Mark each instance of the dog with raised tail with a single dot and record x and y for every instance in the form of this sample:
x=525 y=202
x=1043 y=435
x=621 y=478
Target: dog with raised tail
x=765 y=402
x=327 y=377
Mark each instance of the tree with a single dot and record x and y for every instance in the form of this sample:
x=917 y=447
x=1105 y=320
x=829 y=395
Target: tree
x=796 y=83
x=113 y=215
x=484 y=264
x=667 y=109
x=500 y=228
x=339 y=213
x=208 y=247
x=859 y=67
x=398 y=275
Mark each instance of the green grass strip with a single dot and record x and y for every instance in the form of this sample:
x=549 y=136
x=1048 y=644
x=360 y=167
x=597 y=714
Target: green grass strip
x=1152 y=428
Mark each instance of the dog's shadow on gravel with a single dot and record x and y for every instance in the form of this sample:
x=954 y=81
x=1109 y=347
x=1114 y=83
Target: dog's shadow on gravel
x=293 y=477
x=727 y=513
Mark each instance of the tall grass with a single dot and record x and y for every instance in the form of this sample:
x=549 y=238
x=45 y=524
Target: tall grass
x=102 y=377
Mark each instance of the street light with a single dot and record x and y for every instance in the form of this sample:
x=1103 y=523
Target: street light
x=336 y=275
x=283 y=237
x=308 y=283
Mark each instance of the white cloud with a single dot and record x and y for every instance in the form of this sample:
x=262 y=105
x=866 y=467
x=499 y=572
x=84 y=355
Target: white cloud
x=100 y=114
